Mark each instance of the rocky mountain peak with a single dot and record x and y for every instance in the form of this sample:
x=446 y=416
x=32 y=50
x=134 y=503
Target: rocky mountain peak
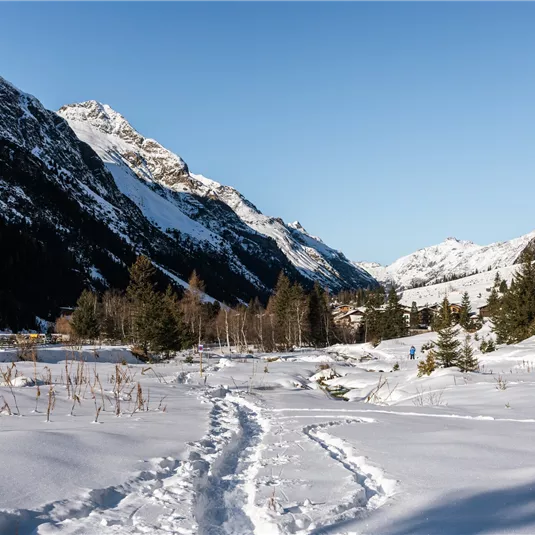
x=148 y=158
x=297 y=226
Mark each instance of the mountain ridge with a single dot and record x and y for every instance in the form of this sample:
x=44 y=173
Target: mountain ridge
x=152 y=164
x=86 y=214
x=451 y=258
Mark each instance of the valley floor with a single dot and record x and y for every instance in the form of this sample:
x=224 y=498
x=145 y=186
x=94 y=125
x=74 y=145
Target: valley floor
x=262 y=447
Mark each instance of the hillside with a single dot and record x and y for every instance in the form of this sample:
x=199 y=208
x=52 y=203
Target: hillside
x=78 y=204
x=203 y=210
x=477 y=286
x=451 y=258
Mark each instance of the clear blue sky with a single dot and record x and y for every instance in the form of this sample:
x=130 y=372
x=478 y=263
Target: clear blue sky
x=382 y=127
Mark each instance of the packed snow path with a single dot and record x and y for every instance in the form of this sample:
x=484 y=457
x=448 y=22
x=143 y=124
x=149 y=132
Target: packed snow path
x=215 y=491
x=210 y=493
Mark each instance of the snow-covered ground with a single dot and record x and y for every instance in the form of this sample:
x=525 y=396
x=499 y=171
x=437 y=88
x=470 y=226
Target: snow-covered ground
x=270 y=445
x=477 y=286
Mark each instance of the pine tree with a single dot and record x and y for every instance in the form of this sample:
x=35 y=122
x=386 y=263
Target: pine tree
x=173 y=332
x=513 y=313
x=415 y=316
x=280 y=306
x=447 y=346
x=503 y=287
x=373 y=317
x=467 y=361
x=85 y=322
x=316 y=313
x=319 y=317
x=443 y=317
x=394 y=323
x=497 y=280
x=144 y=302
x=466 y=309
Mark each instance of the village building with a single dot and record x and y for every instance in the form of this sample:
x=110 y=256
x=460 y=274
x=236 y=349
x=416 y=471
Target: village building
x=353 y=317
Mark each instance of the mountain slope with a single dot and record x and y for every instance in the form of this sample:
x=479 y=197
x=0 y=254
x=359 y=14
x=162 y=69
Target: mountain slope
x=175 y=199
x=70 y=220
x=477 y=286
x=451 y=258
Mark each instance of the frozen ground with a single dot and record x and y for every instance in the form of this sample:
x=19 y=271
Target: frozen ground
x=270 y=447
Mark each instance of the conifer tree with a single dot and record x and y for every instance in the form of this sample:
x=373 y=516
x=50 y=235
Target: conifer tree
x=467 y=361
x=164 y=335
x=513 y=313
x=373 y=317
x=176 y=334
x=85 y=322
x=316 y=313
x=493 y=302
x=281 y=308
x=466 y=309
x=415 y=316
x=447 y=345
x=503 y=287
x=144 y=302
x=394 y=323
x=443 y=317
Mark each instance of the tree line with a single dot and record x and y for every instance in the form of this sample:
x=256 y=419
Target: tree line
x=156 y=321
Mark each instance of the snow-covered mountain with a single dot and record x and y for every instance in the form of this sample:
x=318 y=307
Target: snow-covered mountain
x=206 y=212
x=478 y=288
x=78 y=204
x=451 y=258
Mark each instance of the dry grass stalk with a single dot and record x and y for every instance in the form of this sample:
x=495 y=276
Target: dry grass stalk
x=75 y=400
x=51 y=402
x=160 y=404
x=140 y=401
x=97 y=414
x=7 y=376
x=160 y=378
x=5 y=407
x=37 y=396
x=97 y=380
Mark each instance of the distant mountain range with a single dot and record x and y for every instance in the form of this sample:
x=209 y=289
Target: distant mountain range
x=451 y=259
x=82 y=193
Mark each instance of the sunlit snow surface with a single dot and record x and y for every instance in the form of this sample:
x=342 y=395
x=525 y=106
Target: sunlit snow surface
x=168 y=194
x=451 y=257
x=259 y=447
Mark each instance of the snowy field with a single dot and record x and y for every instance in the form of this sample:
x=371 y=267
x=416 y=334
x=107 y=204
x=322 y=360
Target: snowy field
x=334 y=442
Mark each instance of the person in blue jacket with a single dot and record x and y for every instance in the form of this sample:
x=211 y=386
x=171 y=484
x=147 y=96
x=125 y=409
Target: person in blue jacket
x=412 y=352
